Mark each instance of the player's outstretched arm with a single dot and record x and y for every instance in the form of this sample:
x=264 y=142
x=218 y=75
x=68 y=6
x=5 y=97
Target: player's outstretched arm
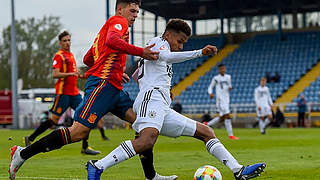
x=177 y=57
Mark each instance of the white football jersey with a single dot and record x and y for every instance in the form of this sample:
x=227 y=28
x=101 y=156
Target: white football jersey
x=262 y=96
x=222 y=83
x=158 y=73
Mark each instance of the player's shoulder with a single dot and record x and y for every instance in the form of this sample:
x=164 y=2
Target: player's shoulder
x=228 y=75
x=118 y=21
x=160 y=43
x=58 y=55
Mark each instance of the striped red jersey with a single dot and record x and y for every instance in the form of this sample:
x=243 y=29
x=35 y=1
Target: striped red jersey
x=65 y=62
x=108 y=63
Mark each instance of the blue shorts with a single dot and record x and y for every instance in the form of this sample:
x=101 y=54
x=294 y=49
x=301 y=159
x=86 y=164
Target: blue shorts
x=62 y=102
x=100 y=98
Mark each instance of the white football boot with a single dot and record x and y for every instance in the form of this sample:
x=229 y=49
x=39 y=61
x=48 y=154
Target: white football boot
x=16 y=161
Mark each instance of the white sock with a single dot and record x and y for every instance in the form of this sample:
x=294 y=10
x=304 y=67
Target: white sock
x=261 y=125
x=266 y=122
x=216 y=148
x=213 y=121
x=123 y=152
x=228 y=126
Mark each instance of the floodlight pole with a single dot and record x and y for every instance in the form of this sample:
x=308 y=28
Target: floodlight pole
x=15 y=109
x=107 y=9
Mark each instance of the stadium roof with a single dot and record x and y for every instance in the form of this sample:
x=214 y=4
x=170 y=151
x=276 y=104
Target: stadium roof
x=213 y=9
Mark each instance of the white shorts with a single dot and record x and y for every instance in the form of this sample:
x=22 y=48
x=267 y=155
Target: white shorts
x=223 y=107
x=153 y=111
x=265 y=111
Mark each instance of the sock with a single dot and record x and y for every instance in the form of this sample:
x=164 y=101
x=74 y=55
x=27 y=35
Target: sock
x=146 y=158
x=123 y=152
x=54 y=140
x=261 y=125
x=228 y=126
x=85 y=142
x=42 y=128
x=266 y=122
x=214 y=121
x=102 y=132
x=216 y=148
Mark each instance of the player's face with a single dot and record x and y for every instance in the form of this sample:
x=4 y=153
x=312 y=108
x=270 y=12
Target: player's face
x=263 y=82
x=176 y=40
x=65 y=43
x=222 y=70
x=130 y=12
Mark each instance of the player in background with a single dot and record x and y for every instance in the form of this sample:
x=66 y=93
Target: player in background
x=103 y=90
x=222 y=81
x=67 y=94
x=264 y=105
x=154 y=115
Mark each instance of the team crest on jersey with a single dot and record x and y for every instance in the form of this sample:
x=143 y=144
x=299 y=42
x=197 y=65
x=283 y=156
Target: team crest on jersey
x=163 y=47
x=54 y=62
x=118 y=26
x=92 y=118
x=152 y=114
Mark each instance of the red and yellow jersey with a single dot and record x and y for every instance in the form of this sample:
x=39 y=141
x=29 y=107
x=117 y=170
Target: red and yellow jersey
x=109 y=63
x=65 y=62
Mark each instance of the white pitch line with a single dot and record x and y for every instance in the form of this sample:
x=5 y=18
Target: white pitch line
x=71 y=178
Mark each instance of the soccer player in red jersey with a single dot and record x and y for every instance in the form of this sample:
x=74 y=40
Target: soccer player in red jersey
x=103 y=90
x=67 y=94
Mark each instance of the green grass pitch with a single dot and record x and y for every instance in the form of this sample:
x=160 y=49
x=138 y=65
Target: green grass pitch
x=289 y=154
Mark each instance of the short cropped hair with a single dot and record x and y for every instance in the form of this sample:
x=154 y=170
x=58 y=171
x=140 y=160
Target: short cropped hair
x=63 y=34
x=178 y=25
x=221 y=65
x=128 y=2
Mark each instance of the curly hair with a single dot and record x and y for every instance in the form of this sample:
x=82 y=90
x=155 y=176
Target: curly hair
x=178 y=25
x=63 y=34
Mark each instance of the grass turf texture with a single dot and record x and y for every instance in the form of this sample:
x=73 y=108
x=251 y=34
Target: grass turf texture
x=289 y=154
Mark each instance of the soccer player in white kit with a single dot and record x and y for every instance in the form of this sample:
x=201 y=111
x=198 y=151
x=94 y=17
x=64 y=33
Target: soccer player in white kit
x=154 y=115
x=222 y=81
x=264 y=104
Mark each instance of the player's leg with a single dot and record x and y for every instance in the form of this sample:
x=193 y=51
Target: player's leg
x=85 y=116
x=124 y=151
x=228 y=125
x=178 y=125
x=124 y=111
x=102 y=129
x=213 y=121
x=60 y=105
x=262 y=125
x=86 y=149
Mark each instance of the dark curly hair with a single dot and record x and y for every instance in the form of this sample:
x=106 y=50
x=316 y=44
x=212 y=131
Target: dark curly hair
x=63 y=34
x=178 y=25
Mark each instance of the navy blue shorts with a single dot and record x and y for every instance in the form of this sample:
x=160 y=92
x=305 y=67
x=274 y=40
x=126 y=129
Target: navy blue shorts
x=100 y=98
x=62 y=102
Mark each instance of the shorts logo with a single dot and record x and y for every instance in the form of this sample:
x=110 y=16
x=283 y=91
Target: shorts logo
x=152 y=114
x=59 y=110
x=118 y=27
x=54 y=62
x=92 y=118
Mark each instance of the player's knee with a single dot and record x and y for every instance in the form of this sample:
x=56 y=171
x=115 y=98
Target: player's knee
x=204 y=133
x=78 y=132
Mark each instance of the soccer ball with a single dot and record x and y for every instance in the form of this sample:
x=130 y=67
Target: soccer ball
x=207 y=172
